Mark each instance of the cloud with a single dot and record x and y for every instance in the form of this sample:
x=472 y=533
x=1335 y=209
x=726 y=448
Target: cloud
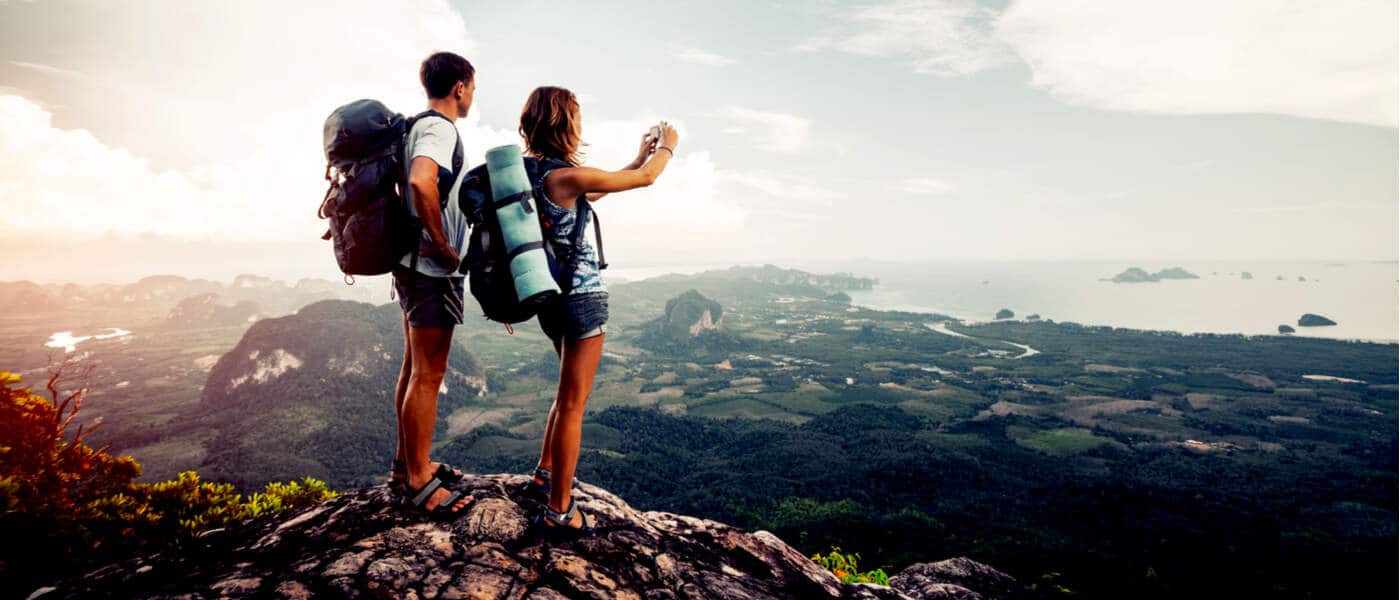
x=941 y=37
x=701 y=57
x=768 y=130
x=46 y=69
x=784 y=187
x=207 y=135
x=1330 y=60
x=923 y=186
x=1325 y=60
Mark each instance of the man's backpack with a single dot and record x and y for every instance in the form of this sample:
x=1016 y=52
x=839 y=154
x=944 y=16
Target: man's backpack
x=371 y=228
x=487 y=264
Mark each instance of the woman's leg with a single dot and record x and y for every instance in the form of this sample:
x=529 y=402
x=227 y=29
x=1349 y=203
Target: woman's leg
x=578 y=364
x=545 y=461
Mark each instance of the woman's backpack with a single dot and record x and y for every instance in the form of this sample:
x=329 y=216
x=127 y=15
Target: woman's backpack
x=488 y=267
x=371 y=228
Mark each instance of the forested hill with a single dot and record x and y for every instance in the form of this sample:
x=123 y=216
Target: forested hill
x=311 y=394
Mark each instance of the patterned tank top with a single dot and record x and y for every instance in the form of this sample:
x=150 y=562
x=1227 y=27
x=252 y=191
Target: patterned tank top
x=559 y=231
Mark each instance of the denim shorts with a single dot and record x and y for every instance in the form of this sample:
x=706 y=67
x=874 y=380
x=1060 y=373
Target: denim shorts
x=575 y=316
x=429 y=301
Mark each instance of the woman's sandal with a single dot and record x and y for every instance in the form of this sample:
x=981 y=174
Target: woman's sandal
x=542 y=489
x=446 y=510
x=558 y=523
x=398 y=476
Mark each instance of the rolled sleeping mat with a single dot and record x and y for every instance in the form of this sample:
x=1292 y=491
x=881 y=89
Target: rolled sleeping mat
x=520 y=226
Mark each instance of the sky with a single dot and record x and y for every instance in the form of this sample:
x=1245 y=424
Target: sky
x=180 y=137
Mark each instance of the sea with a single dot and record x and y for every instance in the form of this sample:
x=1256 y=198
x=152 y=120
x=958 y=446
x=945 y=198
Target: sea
x=1363 y=297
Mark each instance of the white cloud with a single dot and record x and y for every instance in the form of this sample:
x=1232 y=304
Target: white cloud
x=768 y=130
x=1324 y=60
x=1332 y=60
x=47 y=69
x=215 y=130
x=701 y=57
x=939 y=37
x=923 y=186
x=683 y=209
x=784 y=187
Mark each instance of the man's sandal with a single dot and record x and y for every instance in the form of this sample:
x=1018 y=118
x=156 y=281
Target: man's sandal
x=398 y=476
x=542 y=489
x=445 y=510
x=558 y=523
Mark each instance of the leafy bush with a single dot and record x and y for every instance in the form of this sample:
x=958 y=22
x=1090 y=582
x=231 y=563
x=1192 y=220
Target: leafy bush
x=844 y=567
x=77 y=506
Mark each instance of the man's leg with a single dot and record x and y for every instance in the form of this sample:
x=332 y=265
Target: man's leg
x=401 y=393
x=429 y=347
x=578 y=366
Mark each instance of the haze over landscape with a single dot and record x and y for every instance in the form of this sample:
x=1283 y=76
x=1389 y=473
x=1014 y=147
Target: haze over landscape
x=904 y=131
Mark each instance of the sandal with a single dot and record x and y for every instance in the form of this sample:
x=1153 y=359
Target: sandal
x=558 y=523
x=445 y=510
x=398 y=476
x=542 y=489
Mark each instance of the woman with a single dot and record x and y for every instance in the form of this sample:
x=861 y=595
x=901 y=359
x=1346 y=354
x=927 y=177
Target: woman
x=552 y=129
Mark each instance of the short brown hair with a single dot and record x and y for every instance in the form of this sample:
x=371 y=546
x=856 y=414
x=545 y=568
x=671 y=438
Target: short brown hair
x=442 y=71
x=548 y=124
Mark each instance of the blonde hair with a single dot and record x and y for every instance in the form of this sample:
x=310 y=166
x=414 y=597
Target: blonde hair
x=549 y=124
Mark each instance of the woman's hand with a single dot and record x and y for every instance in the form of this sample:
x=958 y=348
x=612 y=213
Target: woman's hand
x=644 y=151
x=669 y=136
x=647 y=147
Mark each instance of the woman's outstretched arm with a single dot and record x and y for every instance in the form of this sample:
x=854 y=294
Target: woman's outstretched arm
x=646 y=149
x=566 y=184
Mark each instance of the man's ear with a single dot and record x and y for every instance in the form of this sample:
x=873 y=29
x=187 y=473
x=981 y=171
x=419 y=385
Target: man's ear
x=459 y=90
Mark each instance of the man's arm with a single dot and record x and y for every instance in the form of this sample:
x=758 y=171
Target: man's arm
x=423 y=178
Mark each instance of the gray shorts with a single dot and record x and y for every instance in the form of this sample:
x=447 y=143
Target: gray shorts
x=429 y=301
x=575 y=316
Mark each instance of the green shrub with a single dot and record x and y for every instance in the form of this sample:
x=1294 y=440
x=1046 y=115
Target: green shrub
x=844 y=567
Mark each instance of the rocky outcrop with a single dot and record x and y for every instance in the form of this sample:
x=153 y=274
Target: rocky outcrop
x=1312 y=320
x=1138 y=275
x=360 y=545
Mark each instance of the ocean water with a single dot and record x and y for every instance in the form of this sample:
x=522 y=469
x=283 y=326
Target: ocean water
x=1363 y=297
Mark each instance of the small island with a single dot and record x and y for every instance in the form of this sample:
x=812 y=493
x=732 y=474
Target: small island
x=1246 y=275
x=1033 y=317
x=1005 y=313
x=1285 y=329
x=1312 y=320
x=1139 y=275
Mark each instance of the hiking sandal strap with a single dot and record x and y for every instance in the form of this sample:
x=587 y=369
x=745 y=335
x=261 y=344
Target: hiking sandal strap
x=563 y=519
x=542 y=473
x=448 y=473
x=448 y=503
x=422 y=494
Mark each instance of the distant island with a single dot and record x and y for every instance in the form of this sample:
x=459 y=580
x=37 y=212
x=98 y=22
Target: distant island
x=1005 y=313
x=1312 y=320
x=1139 y=275
x=1284 y=329
x=1246 y=275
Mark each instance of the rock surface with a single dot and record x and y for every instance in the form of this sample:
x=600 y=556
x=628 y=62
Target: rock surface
x=360 y=545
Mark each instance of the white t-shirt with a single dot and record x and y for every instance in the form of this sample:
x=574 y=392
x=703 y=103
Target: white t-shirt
x=436 y=138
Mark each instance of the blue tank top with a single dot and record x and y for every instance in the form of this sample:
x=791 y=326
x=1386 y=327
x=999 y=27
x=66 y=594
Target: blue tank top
x=559 y=225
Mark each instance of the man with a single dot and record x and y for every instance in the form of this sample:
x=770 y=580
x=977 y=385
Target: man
x=428 y=284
